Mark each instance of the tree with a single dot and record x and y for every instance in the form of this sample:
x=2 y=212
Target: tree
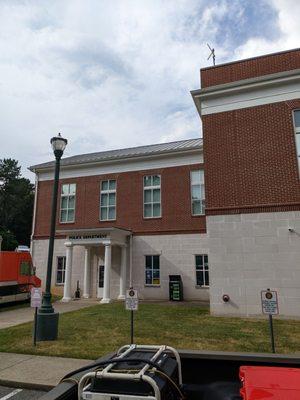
x=9 y=242
x=16 y=204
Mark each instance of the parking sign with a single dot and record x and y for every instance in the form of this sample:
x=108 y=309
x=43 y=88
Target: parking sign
x=36 y=297
x=131 y=301
x=269 y=302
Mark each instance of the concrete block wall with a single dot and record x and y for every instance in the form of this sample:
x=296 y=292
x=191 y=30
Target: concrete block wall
x=250 y=253
x=177 y=256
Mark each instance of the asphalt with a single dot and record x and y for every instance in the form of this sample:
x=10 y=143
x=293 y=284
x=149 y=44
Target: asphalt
x=35 y=372
x=14 y=317
x=13 y=393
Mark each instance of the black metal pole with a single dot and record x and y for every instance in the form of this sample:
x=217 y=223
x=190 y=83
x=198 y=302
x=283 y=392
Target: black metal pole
x=272 y=332
x=34 y=328
x=47 y=328
x=46 y=304
x=131 y=327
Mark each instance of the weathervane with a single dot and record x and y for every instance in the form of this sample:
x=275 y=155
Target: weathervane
x=212 y=54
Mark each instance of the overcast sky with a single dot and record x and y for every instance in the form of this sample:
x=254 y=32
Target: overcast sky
x=113 y=74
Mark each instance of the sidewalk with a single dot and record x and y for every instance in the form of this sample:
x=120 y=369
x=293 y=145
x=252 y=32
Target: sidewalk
x=20 y=316
x=35 y=372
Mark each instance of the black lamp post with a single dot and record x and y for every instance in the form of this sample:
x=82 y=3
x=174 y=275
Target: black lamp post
x=47 y=318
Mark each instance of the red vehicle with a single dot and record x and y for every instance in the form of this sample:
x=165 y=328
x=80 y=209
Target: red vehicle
x=17 y=276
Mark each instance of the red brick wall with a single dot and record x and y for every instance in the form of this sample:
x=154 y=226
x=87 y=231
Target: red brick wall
x=175 y=194
x=268 y=64
x=250 y=160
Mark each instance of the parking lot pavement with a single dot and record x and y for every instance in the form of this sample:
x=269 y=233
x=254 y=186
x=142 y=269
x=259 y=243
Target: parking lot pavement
x=10 y=393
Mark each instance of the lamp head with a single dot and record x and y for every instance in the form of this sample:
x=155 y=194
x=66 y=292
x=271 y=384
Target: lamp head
x=58 y=144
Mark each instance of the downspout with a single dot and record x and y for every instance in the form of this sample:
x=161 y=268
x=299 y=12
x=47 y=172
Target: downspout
x=130 y=261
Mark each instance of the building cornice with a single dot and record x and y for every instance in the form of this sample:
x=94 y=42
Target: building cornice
x=255 y=91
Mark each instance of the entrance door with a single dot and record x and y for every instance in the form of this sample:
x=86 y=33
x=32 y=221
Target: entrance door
x=100 y=281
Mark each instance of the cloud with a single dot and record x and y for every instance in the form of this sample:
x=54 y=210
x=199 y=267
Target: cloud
x=287 y=27
x=117 y=74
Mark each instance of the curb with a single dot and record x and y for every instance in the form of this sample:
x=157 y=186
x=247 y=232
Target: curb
x=26 y=385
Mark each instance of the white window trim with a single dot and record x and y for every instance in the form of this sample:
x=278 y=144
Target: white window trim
x=191 y=193
x=68 y=195
x=108 y=191
x=60 y=283
x=297 y=132
x=148 y=188
x=152 y=284
x=201 y=286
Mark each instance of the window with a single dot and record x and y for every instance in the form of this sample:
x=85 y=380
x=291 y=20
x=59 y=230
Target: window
x=61 y=270
x=297 y=132
x=152 y=270
x=25 y=268
x=197 y=192
x=152 y=197
x=108 y=200
x=202 y=275
x=67 y=205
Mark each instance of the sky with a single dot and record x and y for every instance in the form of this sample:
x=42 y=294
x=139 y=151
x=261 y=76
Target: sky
x=110 y=74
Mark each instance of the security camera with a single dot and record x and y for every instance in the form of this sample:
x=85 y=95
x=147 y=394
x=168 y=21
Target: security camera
x=291 y=230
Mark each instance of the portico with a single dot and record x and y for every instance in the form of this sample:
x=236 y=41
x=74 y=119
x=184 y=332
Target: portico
x=94 y=242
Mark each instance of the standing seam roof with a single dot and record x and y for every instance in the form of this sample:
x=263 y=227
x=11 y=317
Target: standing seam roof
x=182 y=145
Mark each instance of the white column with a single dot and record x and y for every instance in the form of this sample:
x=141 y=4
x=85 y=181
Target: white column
x=87 y=273
x=68 y=274
x=123 y=273
x=107 y=267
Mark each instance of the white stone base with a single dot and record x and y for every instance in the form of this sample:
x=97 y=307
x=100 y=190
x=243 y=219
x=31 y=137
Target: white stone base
x=121 y=297
x=105 y=301
x=249 y=253
x=86 y=296
x=177 y=256
x=66 y=299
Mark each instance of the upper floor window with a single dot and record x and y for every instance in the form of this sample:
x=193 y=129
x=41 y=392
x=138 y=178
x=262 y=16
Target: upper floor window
x=297 y=132
x=108 y=200
x=202 y=275
x=197 y=192
x=67 y=205
x=152 y=196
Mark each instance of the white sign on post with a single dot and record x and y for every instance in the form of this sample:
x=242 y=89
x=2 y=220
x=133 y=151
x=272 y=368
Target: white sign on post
x=269 y=302
x=131 y=301
x=36 y=297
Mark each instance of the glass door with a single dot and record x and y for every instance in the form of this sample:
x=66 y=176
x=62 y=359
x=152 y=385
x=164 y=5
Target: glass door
x=100 y=281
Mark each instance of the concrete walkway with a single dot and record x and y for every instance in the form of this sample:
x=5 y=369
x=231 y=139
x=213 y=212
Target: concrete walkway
x=35 y=372
x=21 y=315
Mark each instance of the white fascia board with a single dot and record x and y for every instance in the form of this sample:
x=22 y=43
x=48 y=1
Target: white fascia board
x=125 y=165
x=248 y=93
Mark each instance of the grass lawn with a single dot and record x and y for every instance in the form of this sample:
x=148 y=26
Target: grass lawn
x=97 y=330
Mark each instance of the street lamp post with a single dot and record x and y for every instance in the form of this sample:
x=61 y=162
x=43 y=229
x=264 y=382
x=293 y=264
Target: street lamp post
x=47 y=318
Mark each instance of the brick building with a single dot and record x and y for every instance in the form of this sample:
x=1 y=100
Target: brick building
x=250 y=111
x=139 y=215
x=125 y=216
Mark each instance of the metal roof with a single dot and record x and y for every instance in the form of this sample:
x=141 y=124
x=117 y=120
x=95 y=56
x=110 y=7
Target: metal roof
x=131 y=152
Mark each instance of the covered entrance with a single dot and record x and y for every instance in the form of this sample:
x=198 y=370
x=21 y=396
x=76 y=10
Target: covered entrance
x=96 y=241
